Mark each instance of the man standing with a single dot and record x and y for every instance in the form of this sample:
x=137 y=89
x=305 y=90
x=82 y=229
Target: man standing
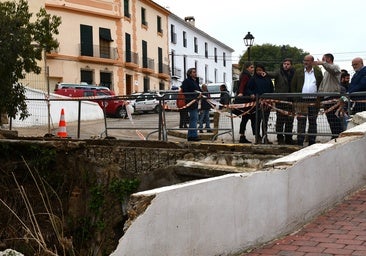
x=358 y=83
x=307 y=81
x=284 y=122
x=330 y=83
x=190 y=87
x=246 y=74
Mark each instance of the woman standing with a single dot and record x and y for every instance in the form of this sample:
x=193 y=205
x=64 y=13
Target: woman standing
x=258 y=84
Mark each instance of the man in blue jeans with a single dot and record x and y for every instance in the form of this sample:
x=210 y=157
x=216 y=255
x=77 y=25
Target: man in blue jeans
x=191 y=89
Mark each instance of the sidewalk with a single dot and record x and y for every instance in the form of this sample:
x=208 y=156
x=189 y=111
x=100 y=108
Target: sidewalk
x=340 y=231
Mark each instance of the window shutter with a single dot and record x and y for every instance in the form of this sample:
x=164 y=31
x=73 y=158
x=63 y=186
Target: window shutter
x=86 y=40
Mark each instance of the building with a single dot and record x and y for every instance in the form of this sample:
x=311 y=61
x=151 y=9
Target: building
x=129 y=46
x=191 y=47
x=121 y=44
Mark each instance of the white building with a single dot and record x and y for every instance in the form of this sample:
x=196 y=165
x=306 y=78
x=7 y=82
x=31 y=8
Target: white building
x=191 y=47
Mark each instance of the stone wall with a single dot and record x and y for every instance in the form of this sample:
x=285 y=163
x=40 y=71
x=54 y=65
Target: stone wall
x=88 y=183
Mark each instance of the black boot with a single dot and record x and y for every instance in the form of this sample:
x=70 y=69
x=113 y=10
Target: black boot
x=289 y=140
x=243 y=140
x=280 y=140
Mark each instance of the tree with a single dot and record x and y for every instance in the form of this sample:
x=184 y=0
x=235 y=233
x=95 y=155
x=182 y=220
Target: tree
x=272 y=55
x=22 y=43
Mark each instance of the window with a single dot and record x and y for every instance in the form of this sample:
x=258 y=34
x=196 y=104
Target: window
x=160 y=60
x=185 y=65
x=146 y=84
x=143 y=16
x=126 y=10
x=195 y=45
x=215 y=78
x=106 y=79
x=184 y=39
x=86 y=76
x=86 y=40
x=215 y=52
x=144 y=54
x=104 y=42
x=173 y=62
x=128 y=47
x=224 y=59
x=206 y=50
x=158 y=20
x=161 y=86
x=173 y=35
x=206 y=73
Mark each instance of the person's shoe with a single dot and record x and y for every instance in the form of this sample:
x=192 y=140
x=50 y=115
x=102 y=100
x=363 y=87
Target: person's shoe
x=289 y=141
x=193 y=139
x=266 y=141
x=201 y=131
x=311 y=142
x=280 y=141
x=210 y=131
x=243 y=140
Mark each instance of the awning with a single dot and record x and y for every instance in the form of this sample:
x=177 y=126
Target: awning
x=105 y=34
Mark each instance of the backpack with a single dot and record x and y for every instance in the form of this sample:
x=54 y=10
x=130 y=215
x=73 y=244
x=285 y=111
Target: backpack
x=181 y=99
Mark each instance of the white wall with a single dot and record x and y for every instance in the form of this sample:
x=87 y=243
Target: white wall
x=227 y=214
x=38 y=110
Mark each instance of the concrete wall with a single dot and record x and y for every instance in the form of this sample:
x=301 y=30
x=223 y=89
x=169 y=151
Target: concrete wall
x=38 y=110
x=227 y=214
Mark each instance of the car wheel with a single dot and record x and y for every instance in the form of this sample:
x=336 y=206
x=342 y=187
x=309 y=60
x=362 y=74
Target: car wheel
x=157 y=109
x=121 y=112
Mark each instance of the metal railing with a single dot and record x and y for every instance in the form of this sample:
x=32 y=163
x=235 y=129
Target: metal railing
x=269 y=110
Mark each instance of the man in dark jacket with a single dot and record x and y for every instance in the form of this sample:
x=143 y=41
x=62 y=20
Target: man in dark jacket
x=358 y=83
x=190 y=87
x=246 y=74
x=307 y=81
x=284 y=122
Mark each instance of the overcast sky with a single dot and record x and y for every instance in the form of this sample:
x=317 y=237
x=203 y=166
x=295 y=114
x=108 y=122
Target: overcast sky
x=316 y=26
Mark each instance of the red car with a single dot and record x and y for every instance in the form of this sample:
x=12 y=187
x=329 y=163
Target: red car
x=113 y=107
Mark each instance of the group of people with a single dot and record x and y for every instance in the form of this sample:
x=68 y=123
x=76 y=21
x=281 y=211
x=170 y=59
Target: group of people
x=254 y=81
x=307 y=80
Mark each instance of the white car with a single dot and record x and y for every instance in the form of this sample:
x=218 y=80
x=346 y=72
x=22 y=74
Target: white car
x=146 y=102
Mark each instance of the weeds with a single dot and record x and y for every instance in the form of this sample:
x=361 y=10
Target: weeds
x=33 y=231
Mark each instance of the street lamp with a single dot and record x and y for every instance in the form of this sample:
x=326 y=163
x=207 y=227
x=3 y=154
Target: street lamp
x=248 y=41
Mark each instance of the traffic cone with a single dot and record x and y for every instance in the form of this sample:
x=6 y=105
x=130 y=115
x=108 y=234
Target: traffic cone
x=62 y=133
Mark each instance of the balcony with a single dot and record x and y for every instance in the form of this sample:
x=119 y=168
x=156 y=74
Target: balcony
x=97 y=53
x=148 y=65
x=163 y=71
x=131 y=60
x=176 y=73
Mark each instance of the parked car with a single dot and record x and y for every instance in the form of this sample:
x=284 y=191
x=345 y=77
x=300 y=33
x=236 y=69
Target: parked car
x=100 y=94
x=170 y=99
x=146 y=102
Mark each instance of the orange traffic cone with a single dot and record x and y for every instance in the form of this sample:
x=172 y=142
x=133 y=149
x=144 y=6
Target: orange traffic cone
x=62 y=133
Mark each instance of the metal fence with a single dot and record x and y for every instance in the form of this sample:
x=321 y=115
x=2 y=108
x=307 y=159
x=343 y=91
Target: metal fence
x=320 y=115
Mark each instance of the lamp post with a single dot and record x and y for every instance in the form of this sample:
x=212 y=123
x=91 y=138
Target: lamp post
x=248 y=41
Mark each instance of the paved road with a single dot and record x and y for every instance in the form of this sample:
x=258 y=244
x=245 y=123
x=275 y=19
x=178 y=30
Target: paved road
x=141 y=126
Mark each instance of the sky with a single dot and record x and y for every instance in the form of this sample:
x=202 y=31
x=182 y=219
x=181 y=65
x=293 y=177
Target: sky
x=316 y=26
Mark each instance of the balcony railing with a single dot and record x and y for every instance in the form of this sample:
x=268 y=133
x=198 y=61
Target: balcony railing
x=98 y=51
x=148 y=63
x=132 y=57
x=164 y=69
x=176 y=73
